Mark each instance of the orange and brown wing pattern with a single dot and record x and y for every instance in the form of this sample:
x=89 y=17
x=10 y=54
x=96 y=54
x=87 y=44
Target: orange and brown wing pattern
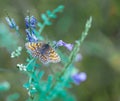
x=53 y=56
x=43 y=51
x=43 y=59
x=32 y=46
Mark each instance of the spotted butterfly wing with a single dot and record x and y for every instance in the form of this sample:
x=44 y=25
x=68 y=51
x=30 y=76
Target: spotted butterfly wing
x=32 y=47
x=43 y=59
x=53 y=56
x=43 y=51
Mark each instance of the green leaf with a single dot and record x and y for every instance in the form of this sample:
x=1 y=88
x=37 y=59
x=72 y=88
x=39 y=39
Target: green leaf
x=37 y=86
x=49 y=82
x=26 y=85
x=47 y=22
x=40 y=24
x=53 y=16
x=44 y=17
x=59 y=9
x=40 y=75
x=48 y=12
x=33 y=91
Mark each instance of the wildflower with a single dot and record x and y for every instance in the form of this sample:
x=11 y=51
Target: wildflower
x=79 y=77
x=17 y=52
x=30 y=21
x=11 y=23
x=21 y=67
x=62 y=43
x=30 y=36
x=78 y=57
x=19 y=48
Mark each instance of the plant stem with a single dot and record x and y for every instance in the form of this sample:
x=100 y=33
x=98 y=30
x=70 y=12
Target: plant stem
x=73 y=53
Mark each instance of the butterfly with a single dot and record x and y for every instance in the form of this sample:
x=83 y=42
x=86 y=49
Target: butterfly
x=43 y=51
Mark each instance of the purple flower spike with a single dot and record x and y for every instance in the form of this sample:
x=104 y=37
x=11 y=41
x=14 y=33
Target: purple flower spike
x=62 y=43
x=30 y=21
x=11 y=23
x=79 y=77
x=30 y=36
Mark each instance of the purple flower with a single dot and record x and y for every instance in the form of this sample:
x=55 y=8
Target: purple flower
x=79 y=77
x=30 y=36
x=30 y=21
x=78 y=57
x=11 y=23
x=62 y=43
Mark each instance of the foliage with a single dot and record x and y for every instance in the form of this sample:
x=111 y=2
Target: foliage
x=58 y=81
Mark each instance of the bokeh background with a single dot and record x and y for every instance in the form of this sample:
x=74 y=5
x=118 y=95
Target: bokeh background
x=100 y=50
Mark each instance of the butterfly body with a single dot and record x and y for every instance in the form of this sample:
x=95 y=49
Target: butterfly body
x=44 y=48
x=43 y=51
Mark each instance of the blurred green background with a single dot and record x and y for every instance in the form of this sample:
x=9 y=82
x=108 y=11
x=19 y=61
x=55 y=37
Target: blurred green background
x=100 y=50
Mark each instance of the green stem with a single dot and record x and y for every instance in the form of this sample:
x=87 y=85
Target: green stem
x=77 y=46
x=74 y=52
x=44 y=24
x=41 y=29
x=32 y=70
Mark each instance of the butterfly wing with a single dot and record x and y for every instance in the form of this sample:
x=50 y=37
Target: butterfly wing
x=32 y=47
x=53 y=56
x=43 y=59
x=36 y=50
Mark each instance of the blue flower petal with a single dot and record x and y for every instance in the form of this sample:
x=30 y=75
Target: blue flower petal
x=62 y=43
x=30 y=22
x=79 y=77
